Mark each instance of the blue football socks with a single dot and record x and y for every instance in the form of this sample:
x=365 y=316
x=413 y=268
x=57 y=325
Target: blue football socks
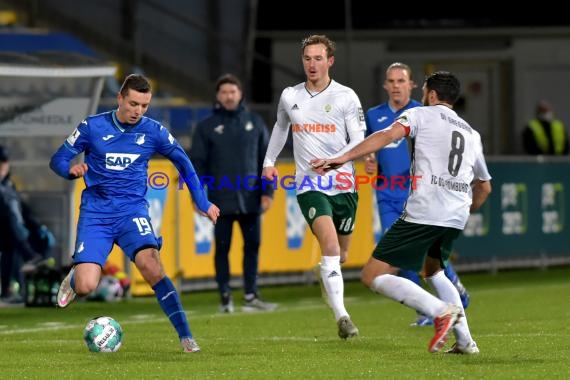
x=454 y=278
x=410 y=275
x=169 y=301
x=450 y=273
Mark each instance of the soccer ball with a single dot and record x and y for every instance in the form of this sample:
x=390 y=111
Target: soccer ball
x=103 y=334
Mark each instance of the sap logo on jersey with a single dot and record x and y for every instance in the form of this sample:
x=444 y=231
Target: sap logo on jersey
x=119 y=161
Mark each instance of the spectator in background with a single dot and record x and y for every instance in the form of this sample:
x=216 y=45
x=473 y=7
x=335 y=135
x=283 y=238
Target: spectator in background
x=394 y=162
x=230 y=146
x=23 y=237
x=544 y=134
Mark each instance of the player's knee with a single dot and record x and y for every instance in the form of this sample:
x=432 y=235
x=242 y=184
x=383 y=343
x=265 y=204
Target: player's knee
x=149 y=266
x=85 y=285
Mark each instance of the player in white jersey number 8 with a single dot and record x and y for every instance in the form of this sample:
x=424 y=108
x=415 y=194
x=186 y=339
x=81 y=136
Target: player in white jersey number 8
x=446 y=148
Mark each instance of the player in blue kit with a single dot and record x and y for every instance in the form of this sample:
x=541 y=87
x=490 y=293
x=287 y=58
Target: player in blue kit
x=117 y=146
x=394 y=162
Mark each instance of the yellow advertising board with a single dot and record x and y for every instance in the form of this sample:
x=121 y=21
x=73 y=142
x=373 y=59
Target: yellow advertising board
x=287 y=244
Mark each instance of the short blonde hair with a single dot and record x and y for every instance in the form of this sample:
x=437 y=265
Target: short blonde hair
x=319 y=39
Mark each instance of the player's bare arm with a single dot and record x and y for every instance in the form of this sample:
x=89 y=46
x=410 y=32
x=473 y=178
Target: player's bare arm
x=481 y=190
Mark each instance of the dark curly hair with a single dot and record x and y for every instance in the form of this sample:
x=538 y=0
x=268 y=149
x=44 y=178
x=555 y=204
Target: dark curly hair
x=445 y=84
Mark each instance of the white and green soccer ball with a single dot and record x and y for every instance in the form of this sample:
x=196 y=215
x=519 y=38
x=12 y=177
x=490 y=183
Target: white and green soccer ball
x=103 y=334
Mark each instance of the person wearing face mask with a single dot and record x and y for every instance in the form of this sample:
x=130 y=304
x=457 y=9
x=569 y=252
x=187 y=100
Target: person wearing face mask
x=544 y=134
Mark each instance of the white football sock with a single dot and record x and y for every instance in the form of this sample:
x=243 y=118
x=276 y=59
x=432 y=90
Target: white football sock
x=334 y=284
x=447 y=292
x=408 y=293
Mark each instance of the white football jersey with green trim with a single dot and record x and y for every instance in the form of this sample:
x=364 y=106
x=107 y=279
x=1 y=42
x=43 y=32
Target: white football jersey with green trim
x=447 y=155
x=320 y=124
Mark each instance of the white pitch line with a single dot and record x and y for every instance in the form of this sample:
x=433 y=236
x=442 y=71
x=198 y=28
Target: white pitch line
x=301 y=305
x=151 y=318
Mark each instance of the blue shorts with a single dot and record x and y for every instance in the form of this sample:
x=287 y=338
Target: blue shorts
x=96 y=236
x=390 y=211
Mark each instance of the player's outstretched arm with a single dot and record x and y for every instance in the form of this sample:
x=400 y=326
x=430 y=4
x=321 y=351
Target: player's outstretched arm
x=371 y=144
x=323 y=165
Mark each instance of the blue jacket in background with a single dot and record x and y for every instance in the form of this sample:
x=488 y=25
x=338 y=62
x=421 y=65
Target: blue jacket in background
x=228 y=149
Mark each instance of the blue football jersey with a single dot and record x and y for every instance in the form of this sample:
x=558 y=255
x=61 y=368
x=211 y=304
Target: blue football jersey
x=394 y=159
x=117 y=157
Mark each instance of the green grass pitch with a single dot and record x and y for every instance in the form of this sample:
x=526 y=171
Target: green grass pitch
x=520 y=320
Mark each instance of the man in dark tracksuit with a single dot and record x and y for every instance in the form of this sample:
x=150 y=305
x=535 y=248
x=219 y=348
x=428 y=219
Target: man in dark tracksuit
x=18 y=230
x=228 y=149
